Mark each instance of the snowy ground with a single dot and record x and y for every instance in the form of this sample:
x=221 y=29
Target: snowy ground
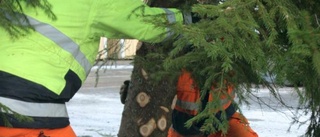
x=96 y=111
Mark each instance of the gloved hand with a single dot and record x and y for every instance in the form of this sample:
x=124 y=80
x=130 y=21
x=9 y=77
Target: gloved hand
x=124 y=91
x=195 y=17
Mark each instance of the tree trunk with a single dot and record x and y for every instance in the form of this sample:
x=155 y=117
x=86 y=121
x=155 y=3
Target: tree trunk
x=147 y=111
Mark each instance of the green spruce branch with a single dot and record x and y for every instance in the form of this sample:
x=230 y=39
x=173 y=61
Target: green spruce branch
x=6 y=110
x=14 y=21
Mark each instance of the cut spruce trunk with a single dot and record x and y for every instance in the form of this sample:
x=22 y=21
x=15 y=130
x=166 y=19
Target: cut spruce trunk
x=147 y=111
x=148 y=108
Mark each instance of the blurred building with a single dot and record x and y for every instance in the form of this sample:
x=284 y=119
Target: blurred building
x=117 y=48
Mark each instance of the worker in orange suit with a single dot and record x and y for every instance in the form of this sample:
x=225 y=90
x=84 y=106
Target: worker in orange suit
x=187 y=107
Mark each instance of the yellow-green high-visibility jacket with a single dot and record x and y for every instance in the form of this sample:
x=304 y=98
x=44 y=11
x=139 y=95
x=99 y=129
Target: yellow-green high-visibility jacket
x=43 y=70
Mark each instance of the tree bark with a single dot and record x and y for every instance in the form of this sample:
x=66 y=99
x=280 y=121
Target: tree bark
x=147 y=111
x=141 y=119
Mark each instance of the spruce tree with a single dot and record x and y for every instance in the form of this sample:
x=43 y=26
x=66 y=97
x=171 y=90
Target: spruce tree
x=238 y=42
x=241 y=40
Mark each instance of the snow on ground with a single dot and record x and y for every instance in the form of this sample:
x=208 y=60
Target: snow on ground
x=97 y=111
x=274 y=123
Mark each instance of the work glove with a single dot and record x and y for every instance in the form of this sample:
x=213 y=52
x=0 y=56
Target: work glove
x=124 y=91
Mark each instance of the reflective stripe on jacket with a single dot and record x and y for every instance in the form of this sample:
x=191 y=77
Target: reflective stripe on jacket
x=50 y=64
x=44 y=115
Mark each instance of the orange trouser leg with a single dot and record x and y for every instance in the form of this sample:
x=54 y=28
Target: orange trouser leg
x=25 y=132
x=172 y=133
x=238 y=127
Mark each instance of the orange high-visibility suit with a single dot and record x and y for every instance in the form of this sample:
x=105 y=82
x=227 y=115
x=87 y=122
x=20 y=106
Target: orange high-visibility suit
x=186 y=107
